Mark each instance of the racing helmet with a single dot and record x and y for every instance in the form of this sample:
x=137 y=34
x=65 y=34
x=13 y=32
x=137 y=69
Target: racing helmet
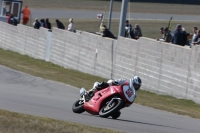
x=137 y=82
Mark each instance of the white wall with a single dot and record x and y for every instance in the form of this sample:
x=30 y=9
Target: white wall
x=23 y=39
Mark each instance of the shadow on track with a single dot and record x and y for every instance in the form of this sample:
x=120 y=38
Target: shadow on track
x=144 y=123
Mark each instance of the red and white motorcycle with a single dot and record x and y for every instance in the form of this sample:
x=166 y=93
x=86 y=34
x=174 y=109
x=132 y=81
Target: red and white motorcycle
x=106 y=102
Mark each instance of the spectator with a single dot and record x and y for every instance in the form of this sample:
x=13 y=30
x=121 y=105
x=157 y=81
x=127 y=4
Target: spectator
x=36 y=24
x=185 y=36
x=195 y=30
x=197 y=38
x=129 y=31
x=137 y=32
x=178 y=37
x=13 y=21
x=162 y=32
x=106 y=32
x=8 y=19
x=71 y=25
x=26 y=15
x=48 y=24
x=4 y=10
x=167 y=35
x=60 y=24
x=42 y=23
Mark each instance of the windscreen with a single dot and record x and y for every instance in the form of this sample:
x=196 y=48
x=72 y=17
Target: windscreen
x=6 y=8
x=0 y=7
x=16 y=9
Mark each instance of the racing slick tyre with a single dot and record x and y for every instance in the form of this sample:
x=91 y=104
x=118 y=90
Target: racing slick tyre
x=113 y=108
x=78 y=107
x=116 y=115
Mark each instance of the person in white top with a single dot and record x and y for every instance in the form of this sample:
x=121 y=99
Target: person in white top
x=71 y=26
x=195 y=29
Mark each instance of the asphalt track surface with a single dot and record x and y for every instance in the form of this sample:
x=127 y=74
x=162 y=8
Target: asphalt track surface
x=27 y=94
x=46 y=13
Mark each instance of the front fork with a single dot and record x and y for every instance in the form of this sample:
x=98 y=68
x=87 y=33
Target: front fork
x=85 y=98
x=111 y=101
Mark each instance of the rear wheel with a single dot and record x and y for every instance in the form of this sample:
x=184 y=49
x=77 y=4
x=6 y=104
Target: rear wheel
x=107 y=111
x=78 y=106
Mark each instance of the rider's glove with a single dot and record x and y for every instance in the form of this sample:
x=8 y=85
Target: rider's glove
x=110 y=82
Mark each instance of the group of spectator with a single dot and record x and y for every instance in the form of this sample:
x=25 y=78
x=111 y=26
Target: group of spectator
x=46 y=24
x=180 y=36
x=11 y=20
x=70 y=27
x=42 y=23
x=39 y=23
x=130 y=31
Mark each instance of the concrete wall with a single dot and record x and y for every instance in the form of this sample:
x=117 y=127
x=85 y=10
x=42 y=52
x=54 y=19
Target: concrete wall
x=24 y=40
x=164 y=68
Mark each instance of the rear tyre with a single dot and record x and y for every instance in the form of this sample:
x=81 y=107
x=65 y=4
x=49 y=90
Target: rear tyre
x=116 y=115
x=108 y=111
x=78 y=107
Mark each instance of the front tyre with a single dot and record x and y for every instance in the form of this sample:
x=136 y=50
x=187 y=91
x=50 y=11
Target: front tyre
x=78 y=107
x=109 y=111
x=116 y=115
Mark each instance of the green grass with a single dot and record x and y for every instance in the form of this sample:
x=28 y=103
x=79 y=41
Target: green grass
x=11 y=122
x=100 y=5
x=169 y=103
x=78 y=79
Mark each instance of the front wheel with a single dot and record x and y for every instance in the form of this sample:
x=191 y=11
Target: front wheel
x=78 y=106
x=116 y=115
x=107 y=111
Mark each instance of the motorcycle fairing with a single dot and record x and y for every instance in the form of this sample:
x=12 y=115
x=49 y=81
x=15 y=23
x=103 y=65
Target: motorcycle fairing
x=129 y=93
x=93 y=105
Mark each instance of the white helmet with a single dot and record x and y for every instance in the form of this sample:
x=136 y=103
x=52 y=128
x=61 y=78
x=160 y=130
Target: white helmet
x=136 y=82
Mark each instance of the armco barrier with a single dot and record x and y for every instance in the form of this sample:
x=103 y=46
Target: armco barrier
x=164 y=68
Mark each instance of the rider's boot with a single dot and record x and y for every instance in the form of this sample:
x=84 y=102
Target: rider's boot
x=92 y=91
x=97 y=86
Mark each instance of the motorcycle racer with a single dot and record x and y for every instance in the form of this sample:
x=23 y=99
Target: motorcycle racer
x=134 y=85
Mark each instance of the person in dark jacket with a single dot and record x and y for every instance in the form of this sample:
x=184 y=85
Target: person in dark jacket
x=48 y=24
x=60 y=24
x=36 y=24
x=13 y=21
x=42 y=23
x=185 y=36
x=106 y=32
x=178 y=37
x=137 y=31
x=167 y=35
x=129 y=30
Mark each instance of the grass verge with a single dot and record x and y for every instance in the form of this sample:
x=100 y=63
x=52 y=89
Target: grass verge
x=78 y=79
x=150 y=28
x=11 y=122
x=101 y=5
